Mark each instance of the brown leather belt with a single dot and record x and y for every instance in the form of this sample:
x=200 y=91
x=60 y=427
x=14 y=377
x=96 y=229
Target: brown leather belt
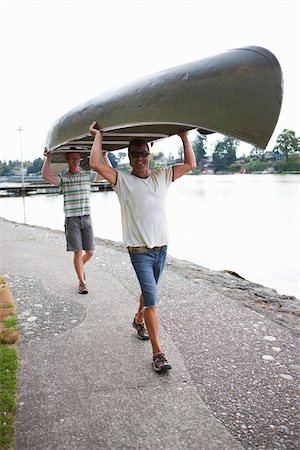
x=142 y=249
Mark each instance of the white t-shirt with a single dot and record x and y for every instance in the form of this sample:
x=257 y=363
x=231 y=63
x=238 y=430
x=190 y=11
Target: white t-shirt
x=142 y=202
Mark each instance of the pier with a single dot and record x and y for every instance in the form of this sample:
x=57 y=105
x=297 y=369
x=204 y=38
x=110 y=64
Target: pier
x=23 y=190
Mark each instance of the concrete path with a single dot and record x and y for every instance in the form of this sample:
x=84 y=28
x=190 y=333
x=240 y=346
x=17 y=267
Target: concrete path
x=86 y=382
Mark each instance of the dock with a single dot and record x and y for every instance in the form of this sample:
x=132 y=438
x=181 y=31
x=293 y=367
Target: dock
x=42 y=188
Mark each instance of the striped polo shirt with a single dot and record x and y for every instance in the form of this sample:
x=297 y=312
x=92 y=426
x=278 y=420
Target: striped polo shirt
x=76 y=188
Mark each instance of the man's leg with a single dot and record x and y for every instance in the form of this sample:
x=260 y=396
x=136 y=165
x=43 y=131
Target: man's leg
x=87 y=256
x=138 y=321
x=87 y=236
x=140 y=312
x=160 y=363
x=80 y=258
x=78 y=264
x=148 y=267
x=151 y=320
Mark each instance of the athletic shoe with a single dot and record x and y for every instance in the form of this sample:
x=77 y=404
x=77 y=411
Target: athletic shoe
x=160 y=363
x=141 y=330
x=82 y=288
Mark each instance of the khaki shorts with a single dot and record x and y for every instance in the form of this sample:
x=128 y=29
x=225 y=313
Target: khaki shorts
x=79 y=233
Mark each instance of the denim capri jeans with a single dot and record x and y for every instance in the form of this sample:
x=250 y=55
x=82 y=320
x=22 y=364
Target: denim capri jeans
x=148 y=267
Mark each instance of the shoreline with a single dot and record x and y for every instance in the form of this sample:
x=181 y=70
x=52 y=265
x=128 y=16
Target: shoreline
x=253 y=256
x=281 y=308
x=233 y=346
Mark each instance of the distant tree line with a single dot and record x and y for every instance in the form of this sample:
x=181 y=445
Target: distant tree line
x=223 y=156
x=14 y=167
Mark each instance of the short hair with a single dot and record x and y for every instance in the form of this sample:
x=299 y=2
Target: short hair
x=137 y=143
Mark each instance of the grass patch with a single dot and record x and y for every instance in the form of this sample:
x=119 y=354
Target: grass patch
x=9 y=336
x=11 y=322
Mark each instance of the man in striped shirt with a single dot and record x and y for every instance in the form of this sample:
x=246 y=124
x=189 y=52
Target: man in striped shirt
x=76 y=187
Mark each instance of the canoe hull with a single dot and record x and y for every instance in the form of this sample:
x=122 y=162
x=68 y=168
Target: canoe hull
x=237 y=93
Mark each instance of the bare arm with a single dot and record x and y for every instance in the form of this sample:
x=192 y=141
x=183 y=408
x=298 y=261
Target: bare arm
x=46 y=173
x=97 y=161
x=107 y=162
x=189 y=161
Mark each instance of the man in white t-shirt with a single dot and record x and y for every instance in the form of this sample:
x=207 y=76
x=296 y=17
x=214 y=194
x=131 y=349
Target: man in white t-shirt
x=142 y=194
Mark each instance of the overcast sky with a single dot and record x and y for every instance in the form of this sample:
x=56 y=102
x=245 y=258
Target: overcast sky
x=56 y=54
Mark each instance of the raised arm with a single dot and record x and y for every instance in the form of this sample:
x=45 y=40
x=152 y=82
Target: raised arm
x=98 y=160
x=189 y=160
x=107 y=162
x=46 y=173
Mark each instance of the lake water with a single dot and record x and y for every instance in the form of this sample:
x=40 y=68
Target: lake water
x=246 y=223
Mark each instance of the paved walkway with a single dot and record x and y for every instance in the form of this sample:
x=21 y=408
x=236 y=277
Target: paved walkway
x=86 y=382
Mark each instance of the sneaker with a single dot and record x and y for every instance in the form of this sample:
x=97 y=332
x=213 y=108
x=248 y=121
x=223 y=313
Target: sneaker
x=141 y=330
x=160 y=363
x=82 y=289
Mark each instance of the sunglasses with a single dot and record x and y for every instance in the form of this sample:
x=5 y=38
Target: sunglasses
x=143 y=154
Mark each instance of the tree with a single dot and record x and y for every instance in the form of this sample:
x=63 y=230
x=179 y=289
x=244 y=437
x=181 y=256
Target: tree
x=199 y=147
x=225 y=153
x=157 y=156
x=120 y=156
x=287 y=142
x=7 y=169
x=256 y=153
x=36 y=166
x=4 y=169
x=157 y=160
x=170 y=158
x=180 y=154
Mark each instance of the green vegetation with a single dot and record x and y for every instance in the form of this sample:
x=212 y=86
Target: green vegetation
x=225 y=153
x=235 y=167
x=8 y=366
x=287 y=143
x=257 y=166
x=8 y=386
x=157 y=161
x=14 y=167
x=291 y=164
x=199 y=146
x=11 y=322
x=283 y=158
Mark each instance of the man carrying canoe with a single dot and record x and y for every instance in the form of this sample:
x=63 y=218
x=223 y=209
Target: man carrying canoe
x=76 y=187
x=142 y=194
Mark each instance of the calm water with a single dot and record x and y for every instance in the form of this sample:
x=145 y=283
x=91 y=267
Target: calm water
x=246 y=223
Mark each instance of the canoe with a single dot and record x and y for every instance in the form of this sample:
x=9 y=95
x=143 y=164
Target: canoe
x=237 y=93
